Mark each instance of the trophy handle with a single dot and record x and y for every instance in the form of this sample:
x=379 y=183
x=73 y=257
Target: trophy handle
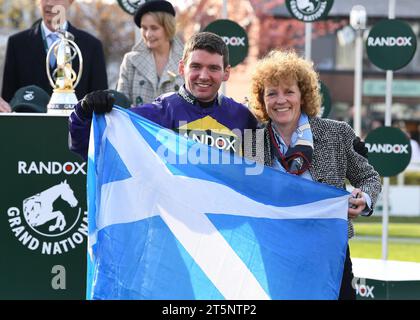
x=74 y=54
x=73 y=75
x=79 y=74
x=47 y=62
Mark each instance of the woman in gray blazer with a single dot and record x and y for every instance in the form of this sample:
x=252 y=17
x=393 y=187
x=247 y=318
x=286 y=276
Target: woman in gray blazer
x=285 y=97
x=150 y=69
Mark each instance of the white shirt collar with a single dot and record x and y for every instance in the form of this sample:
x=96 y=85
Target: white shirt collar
x=47 y=31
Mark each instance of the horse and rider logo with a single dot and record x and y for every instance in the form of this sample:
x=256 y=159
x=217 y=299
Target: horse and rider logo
x=39 y=210
x=51 y=222
x=306 y=6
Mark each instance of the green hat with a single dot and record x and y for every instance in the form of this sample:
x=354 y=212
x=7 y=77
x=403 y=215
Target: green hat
x=120 y=98
x=30 y=99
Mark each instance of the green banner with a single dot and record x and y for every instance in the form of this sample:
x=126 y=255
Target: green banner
x=391 y=44
x=309 y=10
x=389 y=150
x=400 y=88
x=235 y=38
x=387 y=290
x=130 y=6
x=43 y=222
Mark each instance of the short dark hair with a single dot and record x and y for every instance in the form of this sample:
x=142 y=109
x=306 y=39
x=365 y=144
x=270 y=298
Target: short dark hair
x=209 y=42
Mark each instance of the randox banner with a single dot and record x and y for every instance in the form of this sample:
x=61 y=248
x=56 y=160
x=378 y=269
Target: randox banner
x=235 y=38
x=309 y=10
x=43 y=222
x=389 y=150
x=391 y=44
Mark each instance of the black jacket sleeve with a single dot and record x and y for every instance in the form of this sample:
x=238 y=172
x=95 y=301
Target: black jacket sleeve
x=9 y=76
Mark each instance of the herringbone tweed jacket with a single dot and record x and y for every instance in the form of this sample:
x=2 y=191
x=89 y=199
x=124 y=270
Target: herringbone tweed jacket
x=138 y=79
x=334 y=158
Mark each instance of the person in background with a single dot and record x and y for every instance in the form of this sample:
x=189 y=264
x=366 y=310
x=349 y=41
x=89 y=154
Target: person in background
x=150 y=69
x=27 y=51
x=285 y=96
x=415 y=148
x=415 y=152
x=374 y=124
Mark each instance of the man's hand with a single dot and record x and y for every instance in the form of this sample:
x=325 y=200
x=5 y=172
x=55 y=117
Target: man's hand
x=4 y=106
x=97 y=101
x=357 y=203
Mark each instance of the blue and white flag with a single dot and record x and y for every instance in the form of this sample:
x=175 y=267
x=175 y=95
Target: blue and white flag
x=173 y=219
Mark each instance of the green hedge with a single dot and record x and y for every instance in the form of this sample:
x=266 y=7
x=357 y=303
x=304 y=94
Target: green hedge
x=410 y=178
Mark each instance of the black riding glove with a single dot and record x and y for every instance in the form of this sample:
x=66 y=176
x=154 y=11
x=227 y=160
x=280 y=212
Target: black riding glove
x=99 y=102
x=360 y=148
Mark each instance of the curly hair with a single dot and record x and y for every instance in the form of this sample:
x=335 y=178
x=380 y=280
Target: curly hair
x=285 y=66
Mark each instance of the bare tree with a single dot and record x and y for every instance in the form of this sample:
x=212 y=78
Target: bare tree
x=17 y=14
x=273 y=32
x=108 y=22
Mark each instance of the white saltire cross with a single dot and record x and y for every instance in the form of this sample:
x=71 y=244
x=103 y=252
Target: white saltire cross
x=183 y=202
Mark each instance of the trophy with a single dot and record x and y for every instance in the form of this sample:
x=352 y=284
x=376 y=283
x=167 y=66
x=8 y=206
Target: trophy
x=63 y=79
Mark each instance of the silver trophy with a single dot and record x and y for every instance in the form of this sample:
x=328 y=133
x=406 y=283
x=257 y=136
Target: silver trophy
x=63 y=79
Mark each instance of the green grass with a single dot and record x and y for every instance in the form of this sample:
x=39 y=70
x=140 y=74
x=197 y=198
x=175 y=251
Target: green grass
x=401 y=230
x=399 y=227
x=378 y=219
x=396 y=251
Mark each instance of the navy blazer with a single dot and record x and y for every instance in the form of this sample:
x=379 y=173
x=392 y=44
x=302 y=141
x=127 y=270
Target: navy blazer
x=25 y=62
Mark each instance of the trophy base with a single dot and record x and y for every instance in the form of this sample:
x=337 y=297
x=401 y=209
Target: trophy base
x=59 y=112
x=62 y=102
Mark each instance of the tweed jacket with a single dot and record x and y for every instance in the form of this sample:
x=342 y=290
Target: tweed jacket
x=138 y=79
x=334 y=158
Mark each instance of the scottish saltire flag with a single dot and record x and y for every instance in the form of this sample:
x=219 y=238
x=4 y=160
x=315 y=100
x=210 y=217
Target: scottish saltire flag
x=173 y=219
